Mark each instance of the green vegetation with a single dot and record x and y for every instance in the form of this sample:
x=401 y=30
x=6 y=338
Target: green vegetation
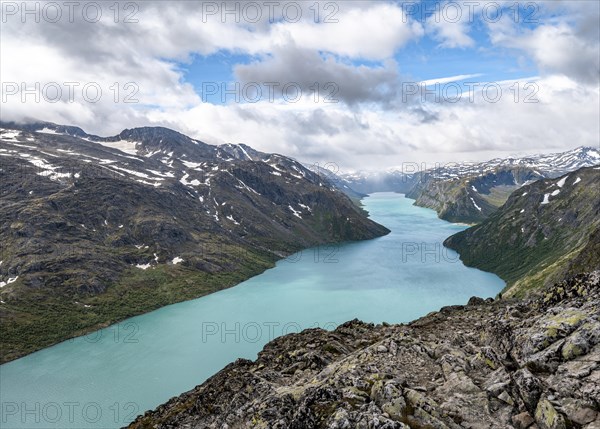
x=499 y=194
x=472 y=198
x=533 y=245
x=36 y=319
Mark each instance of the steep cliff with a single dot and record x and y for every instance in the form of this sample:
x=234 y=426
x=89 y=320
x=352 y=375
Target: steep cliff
x=545 y=232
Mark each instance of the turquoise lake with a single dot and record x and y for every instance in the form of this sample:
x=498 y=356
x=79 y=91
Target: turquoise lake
x=105 y=379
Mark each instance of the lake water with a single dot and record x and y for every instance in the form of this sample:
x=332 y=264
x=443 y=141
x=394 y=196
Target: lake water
x=105 y=379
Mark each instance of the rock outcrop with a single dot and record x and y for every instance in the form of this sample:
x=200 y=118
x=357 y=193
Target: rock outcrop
x=490 y=364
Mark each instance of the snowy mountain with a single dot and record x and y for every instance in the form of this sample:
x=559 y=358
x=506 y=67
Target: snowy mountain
x=95 y=229
x=470 y=192
x=547 y=231
x=547 y=165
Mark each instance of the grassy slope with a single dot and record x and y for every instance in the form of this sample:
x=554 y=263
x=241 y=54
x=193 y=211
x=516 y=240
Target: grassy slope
x=33 y=319
x=31 y=322
x=531 y=245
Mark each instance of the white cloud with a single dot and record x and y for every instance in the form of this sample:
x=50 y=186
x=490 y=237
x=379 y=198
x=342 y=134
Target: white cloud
x=568 y=44
x=375 y=33
x=565 y=116
x=450 y=25
x=371 y=129
x=450 y=79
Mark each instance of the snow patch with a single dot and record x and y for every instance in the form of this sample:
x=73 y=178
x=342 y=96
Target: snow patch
x=189 y=164
x=151 y=154
x=248 y=157
x=246 y=187
x=9 y=135
x=295 y=212
x=577 y=181
x=185 y=182
x=230 y=217
x=561 y=182
x=476 y=206
x=9 y=281
x=176 y=260
x=546 y=199
x=143 y=266
x=46 y=169
x=161 y=174
x=135 y=173
x=46 y=130
x=125 y=146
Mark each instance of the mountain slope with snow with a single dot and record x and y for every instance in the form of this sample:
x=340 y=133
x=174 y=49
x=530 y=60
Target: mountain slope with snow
x=545 y=232
x=97 y=229
x=470 y=192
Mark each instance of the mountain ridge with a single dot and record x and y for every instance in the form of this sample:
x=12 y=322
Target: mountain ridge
x=544 y=232
x=95 y=230
x=470 y=192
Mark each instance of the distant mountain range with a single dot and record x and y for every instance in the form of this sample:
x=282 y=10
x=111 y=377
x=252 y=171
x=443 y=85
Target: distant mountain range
x=546 y=232
x=550 y=165
x=96 y=229
x=468 y=192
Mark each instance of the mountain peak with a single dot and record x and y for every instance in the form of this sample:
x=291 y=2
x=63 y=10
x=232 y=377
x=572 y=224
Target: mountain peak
x=45 y=127
x=151 y=132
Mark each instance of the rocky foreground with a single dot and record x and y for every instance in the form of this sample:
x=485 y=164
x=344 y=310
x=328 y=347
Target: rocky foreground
x=489 y=364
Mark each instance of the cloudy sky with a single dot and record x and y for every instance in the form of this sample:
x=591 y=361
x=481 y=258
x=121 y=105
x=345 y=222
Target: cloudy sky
x=365 y=85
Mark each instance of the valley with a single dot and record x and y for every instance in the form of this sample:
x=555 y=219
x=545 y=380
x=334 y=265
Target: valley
x=98 y=230
x=306 y=215
x=395 y=279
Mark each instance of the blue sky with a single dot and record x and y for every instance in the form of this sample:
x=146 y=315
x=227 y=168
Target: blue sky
x=421 y=59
